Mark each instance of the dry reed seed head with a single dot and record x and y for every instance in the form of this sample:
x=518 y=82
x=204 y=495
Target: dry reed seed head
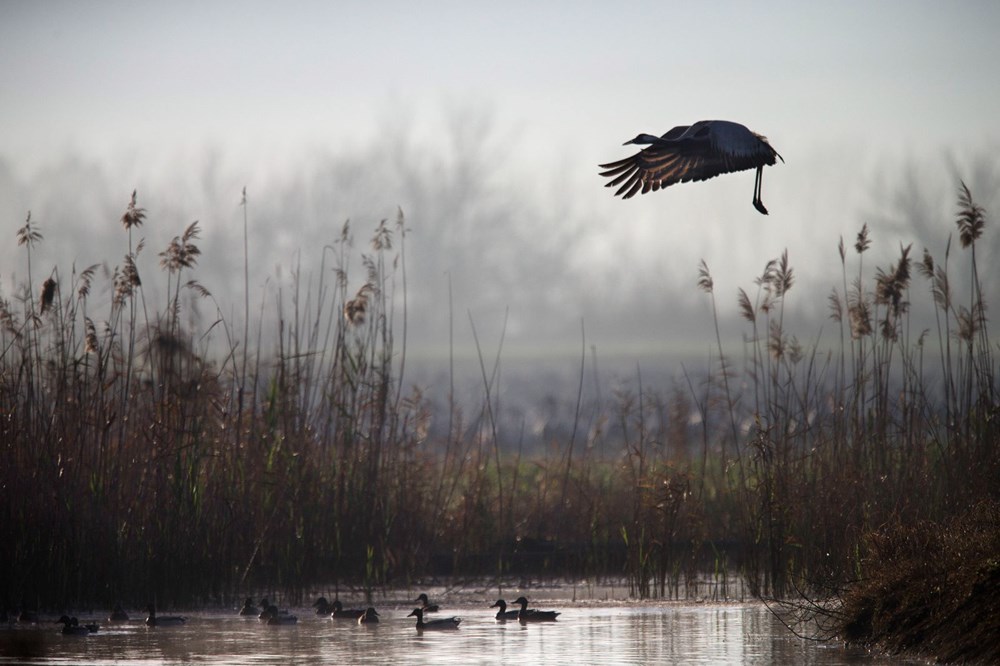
x=888 y=328
x=133 y=215
x=383 y=237
x=841 y=251
x=746 y=308
x=181 y=253
x=48 y=294
x=125 y=279
x=902 y=272
x=782 y=276
x=941 y=289
x=198 y=288
x=356 y=309
x=767 y=276
x=968 y=326
x=863 y=242
x=861 y=322
x=371 y=268
x=836 y=306
x=926 y=266
x=971 y=217
x=705 y=282
x=86 y=277
x=92 y=343
x=891 y=286
x=131 y=272
x=795 y=351
x=776 y=341
x=28 y=234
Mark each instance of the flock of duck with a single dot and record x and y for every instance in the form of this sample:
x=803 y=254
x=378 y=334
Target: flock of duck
x=270 y=614
x=72 y=626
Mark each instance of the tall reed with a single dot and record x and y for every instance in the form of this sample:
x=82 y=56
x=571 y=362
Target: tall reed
x=176 y=455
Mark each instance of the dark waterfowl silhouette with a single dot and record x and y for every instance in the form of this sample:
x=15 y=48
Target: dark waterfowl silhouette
x=249 y=610
x=322 y=606
x=434 y=625
x=163 y=620
x=72 y=626
x=370 y=616
x=118 y=614
x=503 y=613
x=426 y=605
x=532 y=615
x=271 y=615
x=701 y=151
x=265 y=606
x=341 y=613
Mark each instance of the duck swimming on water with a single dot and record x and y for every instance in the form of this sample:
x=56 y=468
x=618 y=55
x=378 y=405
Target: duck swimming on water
x=701 y=151
x=341 y=613
x=503 y=613
x=426 y=605
x=118 y=614
x=323 y=606
x=249 y=609
x=525 y=615
x=271 y=615
x=163 y=620
x=72 y=627
x=443 y=623
x=370 y=616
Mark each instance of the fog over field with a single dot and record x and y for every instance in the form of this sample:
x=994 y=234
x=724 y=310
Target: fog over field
x=484 y=129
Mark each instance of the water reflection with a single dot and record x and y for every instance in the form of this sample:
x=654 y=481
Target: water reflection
x=585 y=633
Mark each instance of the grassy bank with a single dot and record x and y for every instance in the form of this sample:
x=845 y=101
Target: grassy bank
x=930 y=589
x=152 y=450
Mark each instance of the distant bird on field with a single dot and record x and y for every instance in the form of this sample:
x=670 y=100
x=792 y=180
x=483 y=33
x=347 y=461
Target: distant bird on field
x=697 y=152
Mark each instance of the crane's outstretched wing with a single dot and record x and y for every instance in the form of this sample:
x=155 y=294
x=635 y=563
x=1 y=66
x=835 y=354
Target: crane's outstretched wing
x=699 y=152
x=664 y=164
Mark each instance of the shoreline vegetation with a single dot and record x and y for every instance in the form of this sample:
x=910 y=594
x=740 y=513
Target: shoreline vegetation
x=141 y=463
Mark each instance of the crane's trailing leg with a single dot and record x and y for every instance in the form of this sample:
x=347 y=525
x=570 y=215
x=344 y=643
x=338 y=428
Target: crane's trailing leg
x=758 y=181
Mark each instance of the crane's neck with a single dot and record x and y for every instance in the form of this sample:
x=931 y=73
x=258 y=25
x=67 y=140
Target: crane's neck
x=643 y=139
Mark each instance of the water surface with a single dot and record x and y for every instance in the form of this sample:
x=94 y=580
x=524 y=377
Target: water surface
x=591 y=633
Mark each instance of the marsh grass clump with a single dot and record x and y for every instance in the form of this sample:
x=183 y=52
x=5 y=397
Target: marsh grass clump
x=929 y=588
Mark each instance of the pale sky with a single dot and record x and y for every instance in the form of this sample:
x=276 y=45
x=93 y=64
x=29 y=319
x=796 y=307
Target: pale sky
x=485 y=124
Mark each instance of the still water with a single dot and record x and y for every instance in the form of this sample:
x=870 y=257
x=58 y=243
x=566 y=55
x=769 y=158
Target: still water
x=585 y=633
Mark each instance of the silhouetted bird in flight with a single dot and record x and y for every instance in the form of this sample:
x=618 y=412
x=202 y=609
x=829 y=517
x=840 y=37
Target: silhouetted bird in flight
x=696 y=152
